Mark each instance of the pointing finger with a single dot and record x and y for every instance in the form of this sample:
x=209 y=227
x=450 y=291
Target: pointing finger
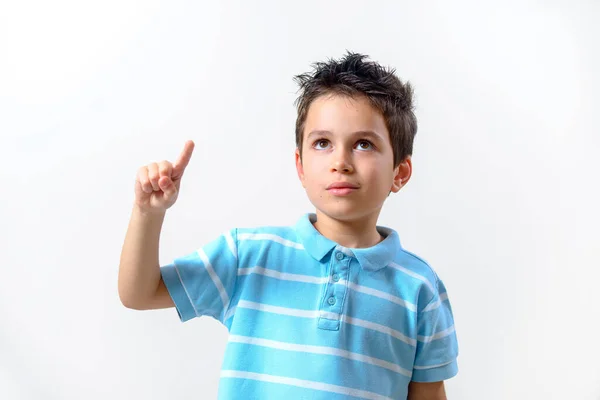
x=183 y=160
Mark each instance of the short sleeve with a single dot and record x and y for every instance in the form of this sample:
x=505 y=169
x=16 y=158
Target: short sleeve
x=202 y=282
x=437 y=344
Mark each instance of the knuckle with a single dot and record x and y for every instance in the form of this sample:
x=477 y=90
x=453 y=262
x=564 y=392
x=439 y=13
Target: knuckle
x=165 y=167
x=152 y=171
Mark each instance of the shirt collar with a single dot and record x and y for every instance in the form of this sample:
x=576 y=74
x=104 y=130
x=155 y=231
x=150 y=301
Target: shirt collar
x=372 y=258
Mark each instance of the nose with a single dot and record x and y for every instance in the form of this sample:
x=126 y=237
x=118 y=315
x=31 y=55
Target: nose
x=341 y=163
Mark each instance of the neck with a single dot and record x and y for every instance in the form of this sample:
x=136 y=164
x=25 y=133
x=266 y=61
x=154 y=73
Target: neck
x=359 y=233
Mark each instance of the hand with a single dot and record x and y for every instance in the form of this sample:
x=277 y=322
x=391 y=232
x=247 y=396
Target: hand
x=157 y=184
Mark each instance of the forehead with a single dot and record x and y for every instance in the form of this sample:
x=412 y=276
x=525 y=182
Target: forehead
x=341 y=115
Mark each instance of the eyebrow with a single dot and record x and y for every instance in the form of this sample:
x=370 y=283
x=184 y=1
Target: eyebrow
x=368 y=133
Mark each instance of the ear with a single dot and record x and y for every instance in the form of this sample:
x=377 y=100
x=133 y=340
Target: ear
x=402 y=174
x=299 y=167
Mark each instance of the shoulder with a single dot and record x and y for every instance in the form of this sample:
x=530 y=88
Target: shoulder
x=416 y=266
x=420 y=274
x=266 y=231
x=267 y=234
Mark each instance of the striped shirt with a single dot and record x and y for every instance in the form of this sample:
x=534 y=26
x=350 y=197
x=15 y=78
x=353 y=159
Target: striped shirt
x=310 y=319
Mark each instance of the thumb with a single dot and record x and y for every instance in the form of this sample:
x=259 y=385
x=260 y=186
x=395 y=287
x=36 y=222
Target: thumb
x=167 y=186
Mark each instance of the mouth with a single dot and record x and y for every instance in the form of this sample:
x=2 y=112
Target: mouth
x=342 y=188
x=342 y=185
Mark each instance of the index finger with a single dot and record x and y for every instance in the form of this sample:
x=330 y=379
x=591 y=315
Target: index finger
x=183 y=160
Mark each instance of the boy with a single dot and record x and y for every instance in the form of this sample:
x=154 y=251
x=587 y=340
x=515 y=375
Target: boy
x=330 y=308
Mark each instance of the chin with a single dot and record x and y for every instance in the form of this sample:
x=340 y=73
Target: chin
x=345 y=208
x=342 y=212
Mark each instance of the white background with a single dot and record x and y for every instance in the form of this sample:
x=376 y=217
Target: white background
x=503 y=201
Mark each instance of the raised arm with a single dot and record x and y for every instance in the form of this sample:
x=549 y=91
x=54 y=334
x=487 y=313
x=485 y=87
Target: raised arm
x=156 y=189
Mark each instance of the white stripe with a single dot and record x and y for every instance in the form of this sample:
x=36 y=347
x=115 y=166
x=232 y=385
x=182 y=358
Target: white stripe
x=231 y=244
x=380 y=328
x=285 y=276
x=434 y=366
x=382 y=295
x=329 y=315
x=303 y=384
x=413 y=274
x=271 y=237
x=186 y=292
x=443 y=297
x=439 y=335
x=215 y=279
x=318 y=280
x=332 y=351
x=277 y=310
x=229 y=313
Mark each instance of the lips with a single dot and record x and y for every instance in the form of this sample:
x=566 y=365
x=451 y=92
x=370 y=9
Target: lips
x=342 y=188
x=342 y=185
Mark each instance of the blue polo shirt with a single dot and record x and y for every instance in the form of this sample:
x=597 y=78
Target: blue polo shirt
x=310 y=319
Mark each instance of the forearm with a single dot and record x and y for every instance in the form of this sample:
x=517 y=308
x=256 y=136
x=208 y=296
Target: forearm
x=139 y=269
x=427 y=391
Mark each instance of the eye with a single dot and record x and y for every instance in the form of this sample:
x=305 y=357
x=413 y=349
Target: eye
x=364 y=145
x=321 y=144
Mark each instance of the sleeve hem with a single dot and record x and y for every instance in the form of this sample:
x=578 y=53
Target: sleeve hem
x=183 y=304
x=436 y=374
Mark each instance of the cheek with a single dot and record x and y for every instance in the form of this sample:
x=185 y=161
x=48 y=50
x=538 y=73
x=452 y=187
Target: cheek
x=378 y=173
x=313 y=166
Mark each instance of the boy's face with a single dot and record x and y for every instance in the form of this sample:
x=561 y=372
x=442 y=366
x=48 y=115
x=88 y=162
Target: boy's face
x=346 y=143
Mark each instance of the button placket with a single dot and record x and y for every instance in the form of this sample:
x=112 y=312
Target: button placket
x=335 y=293
x=338 y=291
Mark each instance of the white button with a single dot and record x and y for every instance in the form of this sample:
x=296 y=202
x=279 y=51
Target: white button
x=339 y=256
x=331 y=301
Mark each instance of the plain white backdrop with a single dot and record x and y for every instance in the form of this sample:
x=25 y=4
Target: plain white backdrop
x=503 y=200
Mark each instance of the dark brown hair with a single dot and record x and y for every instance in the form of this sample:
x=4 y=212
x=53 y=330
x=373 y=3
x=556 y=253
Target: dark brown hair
x=353 y=76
